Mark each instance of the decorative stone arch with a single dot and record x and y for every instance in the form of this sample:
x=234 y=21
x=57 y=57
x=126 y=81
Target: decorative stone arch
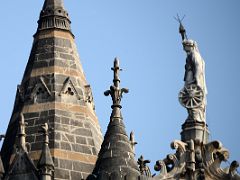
x=69 y=89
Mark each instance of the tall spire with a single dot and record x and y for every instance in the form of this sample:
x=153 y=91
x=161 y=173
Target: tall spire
x=116 y=157
x=54 y=90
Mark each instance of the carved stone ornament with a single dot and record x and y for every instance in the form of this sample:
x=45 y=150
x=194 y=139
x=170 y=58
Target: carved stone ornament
x=144 y=169
x=197 y=161
x=40 y=91
x=115 y=91
x=116 y=94
x=69 y=89
x=89 y=96
x=191 y=96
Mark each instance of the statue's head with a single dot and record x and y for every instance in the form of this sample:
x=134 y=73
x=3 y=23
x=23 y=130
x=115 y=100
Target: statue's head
x=188 y=45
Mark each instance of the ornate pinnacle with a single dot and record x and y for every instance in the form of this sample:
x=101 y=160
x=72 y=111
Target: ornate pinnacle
x=132 y=141
x=45 y=163
x=22 y=134
x=116 y=69
x=45 y=130
x=115 y=90
x=144 y=169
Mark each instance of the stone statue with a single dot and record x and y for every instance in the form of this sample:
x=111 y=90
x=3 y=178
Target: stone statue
x=195 y=78
x=195 y=65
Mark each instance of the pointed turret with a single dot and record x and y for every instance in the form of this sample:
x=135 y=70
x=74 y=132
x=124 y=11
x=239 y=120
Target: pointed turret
x=54 y=90
x=116 y=157
x=21 y=166
x=45 y=163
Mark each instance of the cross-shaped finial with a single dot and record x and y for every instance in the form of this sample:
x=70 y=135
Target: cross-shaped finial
x=144 y=169
x=116 y=69
x=115 y=90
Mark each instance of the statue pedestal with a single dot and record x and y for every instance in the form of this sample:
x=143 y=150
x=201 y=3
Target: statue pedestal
x=195 y=130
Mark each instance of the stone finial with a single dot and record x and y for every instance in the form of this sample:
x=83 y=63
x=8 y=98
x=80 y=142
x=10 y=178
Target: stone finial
x=132 y=141
x=21 y=133
x=115 y=90
x=190 y=166
x=116 y=69
x=116 y=157
x=20 y=93
x=45 y=163
x=45 y=130
x=144 y=169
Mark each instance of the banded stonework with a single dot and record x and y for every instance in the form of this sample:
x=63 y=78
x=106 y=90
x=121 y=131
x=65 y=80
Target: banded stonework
x=54 y=131
x=53 y=91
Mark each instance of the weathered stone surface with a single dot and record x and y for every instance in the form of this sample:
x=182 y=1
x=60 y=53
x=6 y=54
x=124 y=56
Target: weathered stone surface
x=65 y=164
x=61 y=173
x=76 y=175
x=53 y=92
x=78 y=166
x=81 y=140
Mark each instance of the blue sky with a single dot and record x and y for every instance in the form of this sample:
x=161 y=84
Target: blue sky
x=144 y=35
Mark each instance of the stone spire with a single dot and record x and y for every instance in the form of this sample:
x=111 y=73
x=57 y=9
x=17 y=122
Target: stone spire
x=116 y=157
x=45 y=163
x=54 y=90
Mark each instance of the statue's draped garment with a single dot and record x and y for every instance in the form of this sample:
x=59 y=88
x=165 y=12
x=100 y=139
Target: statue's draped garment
x=195 y=74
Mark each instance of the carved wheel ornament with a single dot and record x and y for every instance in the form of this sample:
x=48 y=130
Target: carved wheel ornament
x=191 y=96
